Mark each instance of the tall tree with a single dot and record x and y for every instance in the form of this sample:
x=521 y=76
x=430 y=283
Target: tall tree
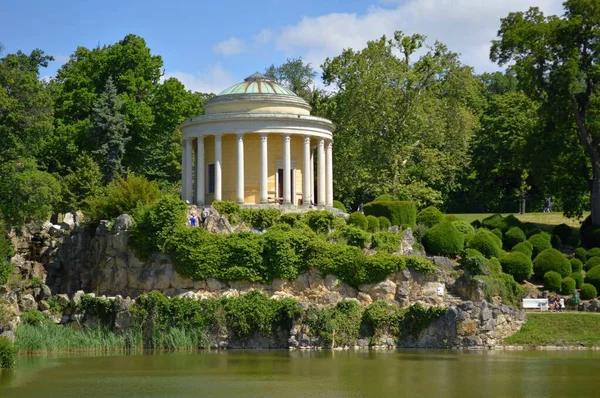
x=294 y=75
x=110 y=132
x=557 y=62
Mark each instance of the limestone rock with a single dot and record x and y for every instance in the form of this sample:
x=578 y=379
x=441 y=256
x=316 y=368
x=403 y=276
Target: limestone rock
x=55 y=231
x=102 y=229
x=407 y=243
x=77 y=297
x=63 y=299
x=217 y=224
x=123 y=321
x=45 y=292
x=68 y=222
x=213 y=285
x=27 y=303
x=385 y=290
x=122 y=223
x=43 y=305
x=46 y=227
x=364 y=299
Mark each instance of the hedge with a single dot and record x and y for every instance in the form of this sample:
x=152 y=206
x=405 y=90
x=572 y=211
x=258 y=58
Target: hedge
x=591 y=263
x=539 y=244
x=588 y=292
x=359 y=220
x=552 y=281
x=578 y=278
x=339 y=205
x=320 y=221
x=397 y=212
x=581 y=254
x=372 y=224
x=386 y=197
x=576 y=265
x=593 y=277
x=260 y=219
x=594 y=252
x=552 y=260
x=485 y=242
x=556 y=242
x=464 y=226
x=563 y=231
x=518 y=265
x=430 y=216
x=514 y=236
x=523 y=247
x=384 y=223
x=567 y=285
x=443 y=239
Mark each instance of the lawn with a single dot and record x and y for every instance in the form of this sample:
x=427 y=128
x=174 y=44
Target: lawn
x=545 y=221
x=574 y=328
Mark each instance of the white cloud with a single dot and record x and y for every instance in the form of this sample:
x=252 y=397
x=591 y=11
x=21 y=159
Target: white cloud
x=231 y=46
x=211 y=80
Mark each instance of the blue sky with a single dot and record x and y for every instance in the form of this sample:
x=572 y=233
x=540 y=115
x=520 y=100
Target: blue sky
x=210 y=45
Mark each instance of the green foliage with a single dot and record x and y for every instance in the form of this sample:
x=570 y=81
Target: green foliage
x=552 y=281
x=8 y=353
x=373 y=224
x=495 y=221
x=292 y=219
x=386 y=197
x=420 y=264
x=226 y=207
x=359 y=220
x=429 y=216
x=260 y=219
x=285 y=251
x=355 y=236
x=581 y=254
x=594 y=252
x=577 y=276
x=397 y=212
x=336 y=327
x=463 y=226
x=6 y=270
x=593 y=277
x=518 y=265
x=552 y=260
x=381 y=318
x=417 y=318
x=567 y=285
x=379 y=266
x=35 y=318
x=498 y=234
x=83 y=180
x=486 y=243
x=320 y=221
x=576 y=265
x=502 y=285
x=539 y=244
x=196 y=254
x=563 y=231
x=384 y=223
x=555 y=242
x=103 y=308
x=591 y=263
x=384 y=241
x=513 y=236
x=475 y=265
x=588 y=291
x=443 y=239
x=524 y=247
x=419 y=232
x=243 y=258
x=339 y=205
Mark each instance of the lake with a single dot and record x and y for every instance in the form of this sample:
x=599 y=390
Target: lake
x=424 y=373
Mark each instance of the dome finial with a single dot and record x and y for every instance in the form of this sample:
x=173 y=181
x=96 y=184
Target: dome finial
x=256 y=76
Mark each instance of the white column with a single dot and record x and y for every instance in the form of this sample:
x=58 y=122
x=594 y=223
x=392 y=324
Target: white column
x=200 y=199
x=329 y=174
x=264 y=195
x=321 y=178
x=312 y=175
x=306 y=198
x=183 y=167
x=240 y=169
x=218 y=160
x=287 y=166
x=189 y=190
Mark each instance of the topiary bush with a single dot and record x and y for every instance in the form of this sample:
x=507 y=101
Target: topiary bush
x=594 y=252
x=539 y=244
x=581 y=254
x=443 y=239
x=384 y=241
x=398 y=212
x=486 y=243
x=493 y=222
x=372 y=224
x=320 y=221
x=556 y=242
x=384 y=223
x=593 y=277
x=355 y=236
x=513 y=236
x=576 y=265
x=588 y=292
x=563 y=231
x=260 y=219
x=591 y=263
x=552 y=260
x=518 y=265
x=567 y=285
x=339 y=205
x=8 y=353
x=463 y=226
x=386 y=197
x=227 y=207
x=498 y=234
x=578 y=278
x=552 y=281
x=524 y=247
x=359 y=220
x=430 y=216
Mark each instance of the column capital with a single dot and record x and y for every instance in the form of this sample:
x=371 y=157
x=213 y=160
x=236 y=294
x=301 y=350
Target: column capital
x=287 y=137
x=307 y=139
x=321 y=142
x=330 y=143
x=239 y=135
x=263 y=137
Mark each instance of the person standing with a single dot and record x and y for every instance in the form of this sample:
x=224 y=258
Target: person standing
x=204 y=215
x=193 y=220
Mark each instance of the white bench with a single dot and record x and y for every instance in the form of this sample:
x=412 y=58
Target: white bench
x=541 y=303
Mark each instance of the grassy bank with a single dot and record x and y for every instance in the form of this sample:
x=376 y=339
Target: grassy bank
x=559 y=329
x=545 y=221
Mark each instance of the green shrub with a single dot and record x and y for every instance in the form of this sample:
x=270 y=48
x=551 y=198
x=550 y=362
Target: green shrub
x=372 y=224
x=346 y=262
x=567 y=285
x=8 y=353
x=591 y=263
x=417 y=318
x=260 y=219
x=242 y=258
x=355 y=236
x=476 y=224
x=386 y=197
x=556 y=242
x=524 y=247
x=495 y=266
x=397 y=212
x=552 y=260
x=358 y=220
x=498 y=233
x=502 y=285
x=552 y=281
x=381 y=318
x=473 y=253
x=532 y=232
x=196 y=253
x=578 y=278
x=292 y=219
x=419 y=232
x=339 y=205
x=338 y=223
x=485 y=242
x=593 y=277
x=380 y=265
x=336 y=327
x=576 y=265
x=463 y=226
x=285 y=251
x=594 y=252
x=588 y=292
x=476 y=265
x=227 y=207
x=430 y=216
x=384 y=223
x=563 y=231
x=6 y=270
x=320 y=221
x=539 y=244
x=384 y=241
x=494 y=221
x=514 y=236
x=518 y=265
x=443 y=239
x=34 y=318
x=420 y=264
x=581 y=254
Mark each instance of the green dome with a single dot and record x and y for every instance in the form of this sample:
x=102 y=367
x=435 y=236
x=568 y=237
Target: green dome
x=257 y=84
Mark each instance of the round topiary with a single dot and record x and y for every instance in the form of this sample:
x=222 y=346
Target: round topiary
x=463 y=226
x=556 y=242
x=485 y=242
x=518 y=265
x=563 y=231
x=494 y=221
x=578 y=278
x=591 y=263
x=523 y=247
x=476 y=224
x=339 y=205
x=430 y=216
x=532 y=232
x=443 y=239
x=498 y=233
x=552 y=260
x=372 y=224
x=552 y=281
x=588 y=292
x=473 y=253
x=593 y=277
x=567 y=285
x=539 y=244
x=451 y=217
x=384 y=223
x=576 y=265
x=581 y=254
x=385 y=197
x=594 y=252
x=358 y=220
x=514 y=236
